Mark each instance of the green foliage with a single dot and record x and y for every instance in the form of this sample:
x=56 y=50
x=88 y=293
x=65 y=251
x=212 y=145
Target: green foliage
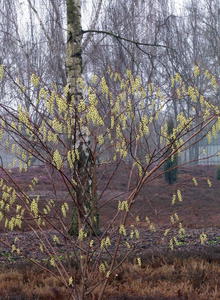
x=214 y=241
x=170 y=166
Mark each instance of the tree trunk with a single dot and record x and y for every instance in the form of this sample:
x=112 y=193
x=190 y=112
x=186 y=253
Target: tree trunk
x=84 y=214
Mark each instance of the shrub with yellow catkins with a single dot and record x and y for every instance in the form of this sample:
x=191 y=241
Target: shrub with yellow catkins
x=128 y=107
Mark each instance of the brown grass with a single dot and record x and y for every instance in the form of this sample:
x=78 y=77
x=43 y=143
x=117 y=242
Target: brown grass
x=172 y=277
x=168 y=276
x=27 y=283
x=163 y=276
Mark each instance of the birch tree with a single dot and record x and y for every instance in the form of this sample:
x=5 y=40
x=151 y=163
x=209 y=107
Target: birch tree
x=83 y=171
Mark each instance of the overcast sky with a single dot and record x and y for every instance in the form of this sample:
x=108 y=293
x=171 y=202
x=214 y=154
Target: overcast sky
x=87 y=12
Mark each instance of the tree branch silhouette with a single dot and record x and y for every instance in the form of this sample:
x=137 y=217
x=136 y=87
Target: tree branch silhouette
x=137 y=43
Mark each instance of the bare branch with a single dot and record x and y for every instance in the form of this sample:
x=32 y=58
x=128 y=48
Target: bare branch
x=137 y=43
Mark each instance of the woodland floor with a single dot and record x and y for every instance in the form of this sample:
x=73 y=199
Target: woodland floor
x=191 y=276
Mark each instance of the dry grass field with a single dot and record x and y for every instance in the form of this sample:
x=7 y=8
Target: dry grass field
x=163 y=276
x=186 y=273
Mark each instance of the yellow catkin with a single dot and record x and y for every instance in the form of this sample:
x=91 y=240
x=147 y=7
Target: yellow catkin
x=34 y=207
x=173 y=199
x=122 y=230
x=194 y=181
x=203 y=238
x=1 y=72
x=139 y=261
x=209 y=182
x=179 y=196
x=52 y=262
x=196 y=71
x=102 y=268
x=63 y=210
x=70 y=281
x=35 y=80
x=57 y=160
